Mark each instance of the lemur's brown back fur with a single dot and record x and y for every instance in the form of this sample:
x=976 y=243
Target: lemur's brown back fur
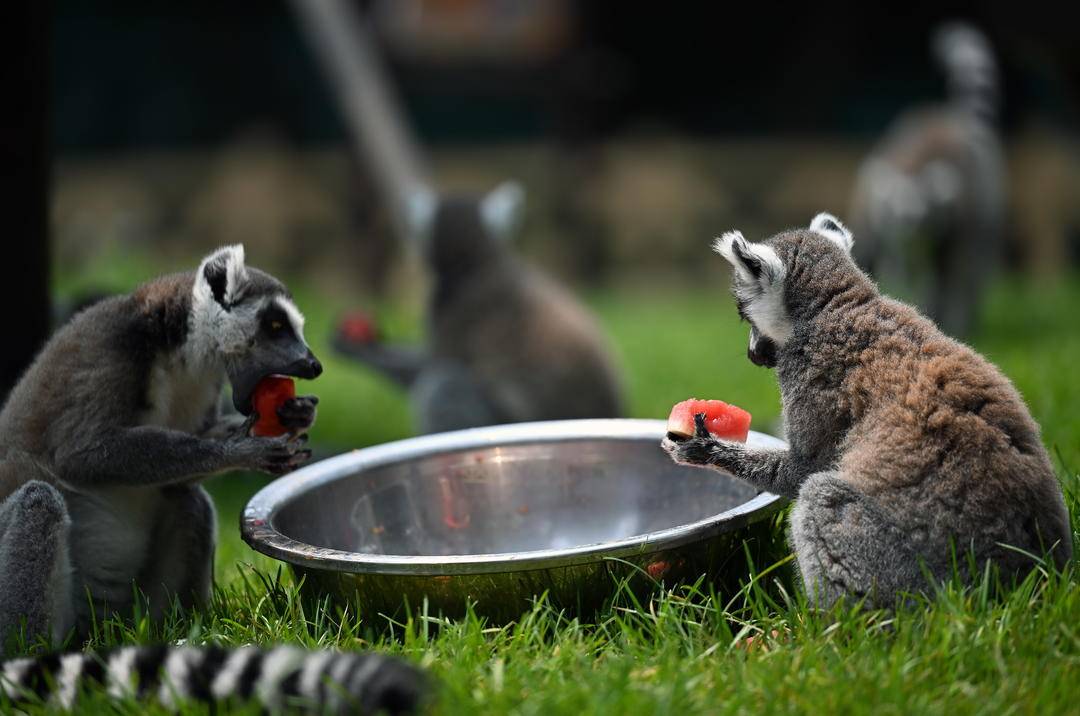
x=934 y=431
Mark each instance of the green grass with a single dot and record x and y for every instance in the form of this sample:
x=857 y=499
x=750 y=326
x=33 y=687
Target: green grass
x=963 y=650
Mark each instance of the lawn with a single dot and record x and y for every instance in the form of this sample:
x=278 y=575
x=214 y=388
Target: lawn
x=685 y=651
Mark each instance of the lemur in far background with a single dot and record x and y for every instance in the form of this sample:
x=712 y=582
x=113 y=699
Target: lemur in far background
x=906 y=447
x=928 y=202
x=106 y=436
x=505 y=342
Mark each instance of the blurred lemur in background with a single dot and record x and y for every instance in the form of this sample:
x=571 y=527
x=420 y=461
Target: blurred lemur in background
x=907 y=449
x=928 y=202
x=505 y=342
x=106 y=436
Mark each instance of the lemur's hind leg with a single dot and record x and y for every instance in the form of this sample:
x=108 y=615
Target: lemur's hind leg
x=846 y=545
x=35 y=568
x=183 y=551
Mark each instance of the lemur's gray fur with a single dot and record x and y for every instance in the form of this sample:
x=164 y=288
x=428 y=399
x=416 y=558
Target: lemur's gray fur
x=283 y=679
x=505 y=343
x=906 y=447
x=928 y=202
x=107 y=434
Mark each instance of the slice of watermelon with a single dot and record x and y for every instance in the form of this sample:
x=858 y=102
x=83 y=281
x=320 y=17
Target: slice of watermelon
x=269 y=395
x=727 y=422
x=358 y=327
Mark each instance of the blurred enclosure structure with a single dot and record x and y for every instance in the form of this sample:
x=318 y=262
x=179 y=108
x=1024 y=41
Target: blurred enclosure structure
x=638 y=130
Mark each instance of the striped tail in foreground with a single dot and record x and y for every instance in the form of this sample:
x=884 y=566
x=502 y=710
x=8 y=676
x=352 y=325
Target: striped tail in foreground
x=283 y=677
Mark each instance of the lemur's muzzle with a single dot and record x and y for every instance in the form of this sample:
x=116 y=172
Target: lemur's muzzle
x=303 y=364
x=307 y=367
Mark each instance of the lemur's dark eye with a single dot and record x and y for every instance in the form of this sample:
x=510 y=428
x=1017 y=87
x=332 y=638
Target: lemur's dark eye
x=275 y=323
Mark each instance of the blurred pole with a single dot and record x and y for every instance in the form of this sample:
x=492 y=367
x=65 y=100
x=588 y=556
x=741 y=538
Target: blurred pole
x=24 y=153
x=345 y=47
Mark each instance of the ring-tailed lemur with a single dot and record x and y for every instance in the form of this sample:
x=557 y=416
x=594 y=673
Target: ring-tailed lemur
x=107 y=434
x=280 y=679
x=928 y=202
x=506 y=343
x=904 y=444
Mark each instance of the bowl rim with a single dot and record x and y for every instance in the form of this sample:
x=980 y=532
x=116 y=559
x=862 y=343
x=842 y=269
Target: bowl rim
x=258 y=530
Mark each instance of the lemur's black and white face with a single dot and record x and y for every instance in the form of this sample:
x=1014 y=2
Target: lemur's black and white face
x=759 y=286
x=247 y=319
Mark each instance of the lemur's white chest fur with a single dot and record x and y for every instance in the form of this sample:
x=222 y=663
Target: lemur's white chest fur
x=181 y=393
x=113 y=527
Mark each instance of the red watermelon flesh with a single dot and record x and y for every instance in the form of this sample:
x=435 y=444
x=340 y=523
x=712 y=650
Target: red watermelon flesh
x=727 y=422
x=270 y=394
x=358 y=327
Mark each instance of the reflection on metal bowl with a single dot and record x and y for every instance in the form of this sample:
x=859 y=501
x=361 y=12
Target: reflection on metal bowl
x=495 y=516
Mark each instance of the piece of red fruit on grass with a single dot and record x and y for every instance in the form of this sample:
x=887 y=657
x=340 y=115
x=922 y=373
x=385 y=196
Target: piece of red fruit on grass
x=358 y=327
x=727 y=422
x=270 y=394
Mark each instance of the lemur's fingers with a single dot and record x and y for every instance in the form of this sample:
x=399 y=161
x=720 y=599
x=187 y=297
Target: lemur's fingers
x=298 y=413
x=291 y=444
x=290 y=463
x=248 y=424
x=694 y=450
x=300 y=402
x=276 y=455
x=700 y=431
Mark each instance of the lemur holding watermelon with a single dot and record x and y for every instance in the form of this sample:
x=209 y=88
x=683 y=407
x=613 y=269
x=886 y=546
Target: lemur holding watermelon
x=906 y=447
x=103 y=443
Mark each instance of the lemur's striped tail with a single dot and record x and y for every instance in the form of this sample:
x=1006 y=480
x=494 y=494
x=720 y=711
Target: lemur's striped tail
x=280 y=678
x=967 y=59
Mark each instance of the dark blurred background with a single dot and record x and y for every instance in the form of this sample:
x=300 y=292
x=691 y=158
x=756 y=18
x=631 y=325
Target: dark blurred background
x=578 y=81
x=756 y=117
x=134 y=76
x=160 y=130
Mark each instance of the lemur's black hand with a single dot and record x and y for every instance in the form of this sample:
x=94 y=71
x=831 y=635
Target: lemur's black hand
x=694 y=450
x=298 y=414
x=277 y=455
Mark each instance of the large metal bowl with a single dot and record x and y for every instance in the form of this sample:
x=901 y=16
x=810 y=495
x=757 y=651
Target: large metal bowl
x=498 y=515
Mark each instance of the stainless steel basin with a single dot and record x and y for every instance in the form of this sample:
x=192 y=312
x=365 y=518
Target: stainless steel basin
x=498 y=515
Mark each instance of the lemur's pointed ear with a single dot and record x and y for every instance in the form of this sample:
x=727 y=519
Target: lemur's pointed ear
x=753 y=263
x=502 y=208
x=222 y=276
x=830 y=227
